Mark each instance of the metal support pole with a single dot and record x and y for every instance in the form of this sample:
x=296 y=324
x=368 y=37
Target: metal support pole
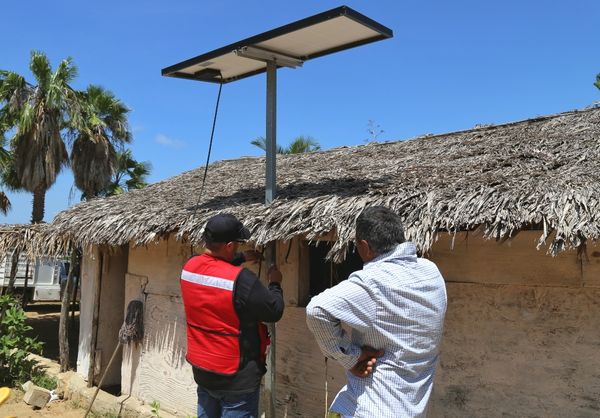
x=271 y=182
x=270 y=193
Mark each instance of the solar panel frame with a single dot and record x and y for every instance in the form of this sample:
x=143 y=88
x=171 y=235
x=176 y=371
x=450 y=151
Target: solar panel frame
x=178 y=70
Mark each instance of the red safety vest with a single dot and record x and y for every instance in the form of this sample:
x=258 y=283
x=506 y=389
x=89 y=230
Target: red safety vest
x=213 y=326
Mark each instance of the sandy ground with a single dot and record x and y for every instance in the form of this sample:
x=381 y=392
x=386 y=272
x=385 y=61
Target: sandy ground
x=19 y=409
x=44 y=319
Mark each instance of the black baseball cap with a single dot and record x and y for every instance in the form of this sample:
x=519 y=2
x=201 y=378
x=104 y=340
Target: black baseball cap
x=225 y=228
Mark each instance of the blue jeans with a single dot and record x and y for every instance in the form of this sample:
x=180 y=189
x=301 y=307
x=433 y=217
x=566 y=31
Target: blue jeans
x=227 y=405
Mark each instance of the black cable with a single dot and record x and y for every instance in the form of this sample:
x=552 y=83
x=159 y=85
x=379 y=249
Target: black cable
x=288 y=252
x=212 y=135
x=262 y=251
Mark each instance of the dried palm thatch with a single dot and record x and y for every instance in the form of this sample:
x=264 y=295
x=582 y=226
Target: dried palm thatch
x=32 y=240
x=539 y=173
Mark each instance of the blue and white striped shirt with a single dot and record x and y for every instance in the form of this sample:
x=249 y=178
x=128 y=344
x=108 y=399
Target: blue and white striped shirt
x=397 y=303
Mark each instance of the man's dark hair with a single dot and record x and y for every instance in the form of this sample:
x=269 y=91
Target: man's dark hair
x=381 y=228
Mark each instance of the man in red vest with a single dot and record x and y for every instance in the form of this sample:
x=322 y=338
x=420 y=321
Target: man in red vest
x=225 y=307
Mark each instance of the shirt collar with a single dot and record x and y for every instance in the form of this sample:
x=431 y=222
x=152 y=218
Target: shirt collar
x=406 y=250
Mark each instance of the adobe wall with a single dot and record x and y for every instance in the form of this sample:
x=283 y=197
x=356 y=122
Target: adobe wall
x=520 y=335
x=156 y=369
x=108 y=269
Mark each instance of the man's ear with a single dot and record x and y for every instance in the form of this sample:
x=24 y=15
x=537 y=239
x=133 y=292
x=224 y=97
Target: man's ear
x=362 y=246
x=364 y=250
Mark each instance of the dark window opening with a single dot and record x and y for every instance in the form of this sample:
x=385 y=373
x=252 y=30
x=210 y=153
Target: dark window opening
x=325 y=273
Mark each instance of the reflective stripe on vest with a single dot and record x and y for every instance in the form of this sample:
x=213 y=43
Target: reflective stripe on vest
x=213 y=327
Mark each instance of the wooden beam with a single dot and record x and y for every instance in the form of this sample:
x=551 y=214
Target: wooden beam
x=97 y=288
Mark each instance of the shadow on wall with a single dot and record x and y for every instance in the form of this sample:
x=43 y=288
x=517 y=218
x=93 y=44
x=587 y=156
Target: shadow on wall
x=166 y=328
x=159 y=368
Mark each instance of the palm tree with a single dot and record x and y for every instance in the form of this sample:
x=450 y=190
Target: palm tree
x=5 y=167
x=96 y=162
x=102 y=128
x=299 y=145
x=39 y=114
x=129 y=174
x=597 y=83
x=302 y=144
x=126 y=174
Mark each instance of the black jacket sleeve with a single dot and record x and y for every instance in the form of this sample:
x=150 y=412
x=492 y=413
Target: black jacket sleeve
x=260 y=303
x=238 y=259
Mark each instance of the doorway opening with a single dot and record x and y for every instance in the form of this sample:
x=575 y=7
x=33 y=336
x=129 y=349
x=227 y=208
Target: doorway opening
x=323 y=273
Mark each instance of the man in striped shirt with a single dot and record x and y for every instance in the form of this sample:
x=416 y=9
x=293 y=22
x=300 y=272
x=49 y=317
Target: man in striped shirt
x=395 y=308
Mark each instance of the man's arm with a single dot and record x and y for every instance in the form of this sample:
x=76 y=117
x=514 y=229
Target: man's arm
x=347 y=303
x=250 y=256
x=263 y=303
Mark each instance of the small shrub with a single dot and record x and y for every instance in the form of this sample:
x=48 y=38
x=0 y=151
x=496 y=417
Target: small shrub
x=41 y=379
x=155 y=405
x=15 y=345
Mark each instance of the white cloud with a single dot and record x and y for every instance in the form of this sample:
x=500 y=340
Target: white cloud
x=163 y=139
x=136 y=128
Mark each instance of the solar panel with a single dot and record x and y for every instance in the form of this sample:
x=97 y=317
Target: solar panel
x=289 y=46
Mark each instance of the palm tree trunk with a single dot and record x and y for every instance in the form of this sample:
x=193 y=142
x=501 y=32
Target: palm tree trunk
x=39 y=201
x=89 y=195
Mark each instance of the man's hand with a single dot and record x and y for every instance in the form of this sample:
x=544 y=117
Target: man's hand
x=253 y=256
x=366 y=361
x=274 y=275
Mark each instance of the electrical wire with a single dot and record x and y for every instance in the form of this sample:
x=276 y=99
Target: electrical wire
x=210 y=144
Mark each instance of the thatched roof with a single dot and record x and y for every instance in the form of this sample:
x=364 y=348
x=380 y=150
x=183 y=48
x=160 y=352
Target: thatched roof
x=32 y=240
x=542 y=172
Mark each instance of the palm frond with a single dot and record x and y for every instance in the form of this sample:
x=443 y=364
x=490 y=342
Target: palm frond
x=14 y=92
x=302 y=144
x=101 y=127
x=66 y=72
x=129 y=174
x=261 y=143
x=40 y=68
x=93 y=164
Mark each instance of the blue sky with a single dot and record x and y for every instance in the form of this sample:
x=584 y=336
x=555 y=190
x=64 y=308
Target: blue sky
x=450 y=66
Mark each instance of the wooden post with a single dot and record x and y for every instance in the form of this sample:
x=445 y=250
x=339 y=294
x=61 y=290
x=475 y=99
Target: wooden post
x=76 y=274
x=97 y=288
x=63 y=328
x=14 y=266
x=270 y=381
x=24 y=300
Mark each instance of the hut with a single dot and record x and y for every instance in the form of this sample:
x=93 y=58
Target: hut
x=510 y=213
x=35 y=260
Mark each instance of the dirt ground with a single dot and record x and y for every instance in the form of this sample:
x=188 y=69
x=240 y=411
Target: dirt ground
x=44 y=318
x=17 y=408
